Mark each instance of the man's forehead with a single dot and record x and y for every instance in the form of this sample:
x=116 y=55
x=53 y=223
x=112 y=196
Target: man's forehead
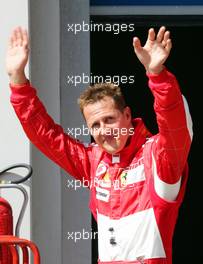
x=106 y=102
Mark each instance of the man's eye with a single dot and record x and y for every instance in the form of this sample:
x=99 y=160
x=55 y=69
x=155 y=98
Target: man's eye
x=110 y=120
x=95 y=126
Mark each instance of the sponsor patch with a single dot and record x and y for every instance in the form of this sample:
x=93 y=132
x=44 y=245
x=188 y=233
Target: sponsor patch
x=102 y=194
x=101 y=169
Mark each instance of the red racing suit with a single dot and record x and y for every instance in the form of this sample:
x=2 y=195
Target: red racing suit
x=135 y=194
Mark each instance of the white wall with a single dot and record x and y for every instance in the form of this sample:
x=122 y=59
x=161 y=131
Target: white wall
x=14 y=146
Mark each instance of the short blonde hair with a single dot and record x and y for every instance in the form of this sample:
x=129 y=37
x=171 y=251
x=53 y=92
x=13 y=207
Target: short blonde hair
x=97 y=92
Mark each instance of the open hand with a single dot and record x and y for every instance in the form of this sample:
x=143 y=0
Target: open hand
x=155 y=51
x=17 y=54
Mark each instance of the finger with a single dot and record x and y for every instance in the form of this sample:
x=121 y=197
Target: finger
x=137 y=44
x=11 y=42
x=166 y=35
x=25 y=38
x=151 y=34
x=14 y=37
x=19 y=36
x=168 y=45
x=160 y=34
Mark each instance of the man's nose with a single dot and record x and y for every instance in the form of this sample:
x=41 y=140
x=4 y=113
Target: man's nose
x=101 y=128
x=104 y=129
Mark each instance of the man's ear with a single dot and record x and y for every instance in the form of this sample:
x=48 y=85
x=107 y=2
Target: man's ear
x=127 y=113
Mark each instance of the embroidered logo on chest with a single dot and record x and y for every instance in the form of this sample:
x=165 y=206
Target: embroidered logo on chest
x=131 y=176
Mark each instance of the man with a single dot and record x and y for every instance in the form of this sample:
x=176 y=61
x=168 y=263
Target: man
x=137 y=181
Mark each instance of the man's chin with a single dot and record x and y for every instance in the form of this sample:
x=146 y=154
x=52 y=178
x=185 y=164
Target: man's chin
x=111 y=149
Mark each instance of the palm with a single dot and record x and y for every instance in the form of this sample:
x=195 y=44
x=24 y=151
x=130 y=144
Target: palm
x=16 y=59
x=153 y=54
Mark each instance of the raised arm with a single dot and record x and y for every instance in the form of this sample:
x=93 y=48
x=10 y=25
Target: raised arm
x=170 y=151
x=40 y=128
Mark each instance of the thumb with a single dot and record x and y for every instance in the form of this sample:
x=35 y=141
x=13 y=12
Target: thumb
x=137 y=45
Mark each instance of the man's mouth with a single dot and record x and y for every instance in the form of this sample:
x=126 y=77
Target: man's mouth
x=109 y=138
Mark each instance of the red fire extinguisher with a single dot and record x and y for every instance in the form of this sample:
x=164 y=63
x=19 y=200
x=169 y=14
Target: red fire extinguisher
x=6 y=217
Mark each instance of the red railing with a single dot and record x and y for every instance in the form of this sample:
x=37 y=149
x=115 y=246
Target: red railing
x=13 y=243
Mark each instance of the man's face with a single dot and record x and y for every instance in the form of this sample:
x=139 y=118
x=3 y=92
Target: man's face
x=108 y=125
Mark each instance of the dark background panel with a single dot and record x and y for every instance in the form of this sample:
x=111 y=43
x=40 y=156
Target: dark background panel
x=146 y=2
x=112 y=54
